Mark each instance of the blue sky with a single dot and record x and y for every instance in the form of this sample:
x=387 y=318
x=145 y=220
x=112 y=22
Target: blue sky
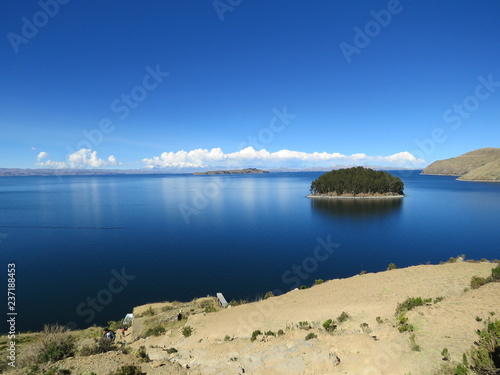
x=234 y=83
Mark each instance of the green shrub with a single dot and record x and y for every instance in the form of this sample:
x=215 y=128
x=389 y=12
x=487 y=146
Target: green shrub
x=402 y=323
x=379 y=320
x=128 y=370
x=255 y=334
x=329 y=325
x=495 y=274
x=142 y=354
x=413 y=344
x=365 y=327
x=210 y=309
x=227 y=338
x=167 y=308
x=303 y=287
x=343 y=317
x=101 y=345
x=155 y=331
x=452 y=260
x=116 y=325
x=270 y=333
x=410 y=303
x=281 y=332
x=304 y=325
x=268 y=295
x=438 y=299
x=391 y=266
x=172 y=350
x=187 y=331
x=446 y=354
x=363 y=272
x=477 y=281
x=148 y=312
x=56 y=344
x=319 y=281
x=311 y=336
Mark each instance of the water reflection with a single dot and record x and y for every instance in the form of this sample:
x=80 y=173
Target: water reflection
x=357 y=208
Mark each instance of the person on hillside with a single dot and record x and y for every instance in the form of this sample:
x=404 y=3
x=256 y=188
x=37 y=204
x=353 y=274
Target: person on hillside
x=110 y=335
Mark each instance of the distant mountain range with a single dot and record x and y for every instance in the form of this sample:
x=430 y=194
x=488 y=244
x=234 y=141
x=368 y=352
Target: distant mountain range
x=234 y=171
x=479 y=165
x=112 y=172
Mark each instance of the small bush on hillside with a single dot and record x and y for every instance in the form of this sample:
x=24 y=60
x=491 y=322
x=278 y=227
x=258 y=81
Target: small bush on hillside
x=477 y=281
x=391 y=266
x=101 y=345
x=318 y=281
x=343 y=317
x=311 y=336
x=155 y=331
x=446 y=354
x=268 y=295
x=410 y=303
x=128 y=370
x=148 y=312
x=365 y=327
x=210 y=309
x=55 y=345
x=495 y=274
x=255 y=334
x=269 y=333
x=142 y=354
x=413 y=344
x=438 y=299
x=379 y=320
x=402 y=323
x=304 y=325
x=329 y=325
x=187 y=331
x=172 y=350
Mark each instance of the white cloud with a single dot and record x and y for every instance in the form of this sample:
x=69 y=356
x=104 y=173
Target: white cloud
x=200 y=158
x=83 y=158
x=42 y=155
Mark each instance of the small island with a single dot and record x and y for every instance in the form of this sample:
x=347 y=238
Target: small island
x=357 y=182
x=234 y=171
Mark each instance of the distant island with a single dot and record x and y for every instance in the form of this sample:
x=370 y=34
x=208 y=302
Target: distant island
x=479 y=165
x=235 y=171
x=357 y=182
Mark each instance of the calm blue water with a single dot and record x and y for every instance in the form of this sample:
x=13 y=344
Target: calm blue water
x=184 y=236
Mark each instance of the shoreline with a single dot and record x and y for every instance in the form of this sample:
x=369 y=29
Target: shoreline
x=354 y=196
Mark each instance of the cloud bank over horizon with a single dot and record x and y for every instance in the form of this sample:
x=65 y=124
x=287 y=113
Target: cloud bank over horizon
x=83 y=158
x=203 y=158
x=247 y=157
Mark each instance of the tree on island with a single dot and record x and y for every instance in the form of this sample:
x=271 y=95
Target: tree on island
x=357 y=180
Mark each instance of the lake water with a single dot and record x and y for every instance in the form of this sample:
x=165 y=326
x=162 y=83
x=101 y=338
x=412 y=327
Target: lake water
x=176 y=237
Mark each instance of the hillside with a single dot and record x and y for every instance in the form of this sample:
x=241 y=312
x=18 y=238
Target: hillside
x=233 y=171
x=478 y=165
x=371 y=339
